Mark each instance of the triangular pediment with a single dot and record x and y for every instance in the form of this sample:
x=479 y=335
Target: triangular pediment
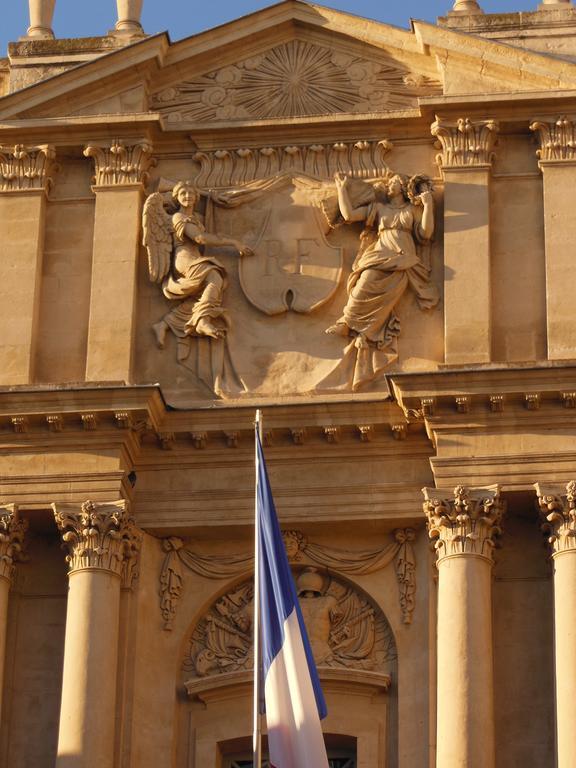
x=291 y=60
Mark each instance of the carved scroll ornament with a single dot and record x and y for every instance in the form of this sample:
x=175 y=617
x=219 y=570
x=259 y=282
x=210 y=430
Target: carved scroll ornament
x=99 y=535
x=120 y=163
x=465 y=143
x=25 y=168
x=346 y=631
x=12 y=532
x=557 y=139
x=299 y=550
x=466 y=522
x=558 y=510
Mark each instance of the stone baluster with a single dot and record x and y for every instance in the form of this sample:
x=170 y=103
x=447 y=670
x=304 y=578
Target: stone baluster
x=466 y=162
x=466 y=7
x=129 y=14
x=121 y=170
x=558 y=510
x=464 y=525
x=557 y=155
x=99 y=538
x=12 y=530
x=41 y=15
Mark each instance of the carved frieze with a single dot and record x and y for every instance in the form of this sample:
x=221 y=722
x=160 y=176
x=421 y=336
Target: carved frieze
x=24 y=168
x=294 y=79
x=98 y=535
x=346 y=630
x=465 y=143
x=12 y=532
x=557 y=139
x=299 y=550
x=231 y=167
x=558 y=509
x=466 y=522
x=120 y=163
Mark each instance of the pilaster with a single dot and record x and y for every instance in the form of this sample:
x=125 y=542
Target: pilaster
x=121 y=171
x=557 y=156
x=465 y=161
x=464 y=525
x=558 y=509
x=25 y=176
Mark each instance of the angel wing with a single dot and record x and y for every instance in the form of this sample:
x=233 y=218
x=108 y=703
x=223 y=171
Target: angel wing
x=157 y=238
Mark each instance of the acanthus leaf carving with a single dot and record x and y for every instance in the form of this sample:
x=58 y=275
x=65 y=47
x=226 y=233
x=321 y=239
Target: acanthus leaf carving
x=558 y=509
x=120 y=162
x=12 y=531
x=299 y=550
x=466 y=522
x=465 y=143
x=26 y=167
x=557 y=139
x=98 y=535
x=297 y=78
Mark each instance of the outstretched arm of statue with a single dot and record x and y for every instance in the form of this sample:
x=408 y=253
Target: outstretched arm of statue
x=218 y=241
x=427 y=223
x=347 y=209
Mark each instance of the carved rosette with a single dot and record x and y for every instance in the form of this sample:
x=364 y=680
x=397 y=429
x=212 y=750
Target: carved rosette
x=12 y=531
x=24 y=168
x=465 y=143
x=557 y=139
x=558 y=510
x=98 y=536
x=120 y=163
x=464 y=523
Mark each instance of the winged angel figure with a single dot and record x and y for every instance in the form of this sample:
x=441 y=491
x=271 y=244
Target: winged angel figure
x=178 y=258
x=398 y=216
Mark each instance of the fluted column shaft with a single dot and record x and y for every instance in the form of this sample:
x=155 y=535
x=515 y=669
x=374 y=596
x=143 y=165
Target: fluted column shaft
x=12 y=531
x=464 y=526
x=98 y=538
x=558 y=509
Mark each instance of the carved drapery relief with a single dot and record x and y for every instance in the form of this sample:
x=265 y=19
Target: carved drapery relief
x=23 y=167
x=120 y=163
x=294 y=79
x=466 y=522
x=12 y=532
x=99 y=535
x=231 y=167
x=558 y=509
x=345 y=629
x=465 y=143
x=557 y=139
x=300 y=551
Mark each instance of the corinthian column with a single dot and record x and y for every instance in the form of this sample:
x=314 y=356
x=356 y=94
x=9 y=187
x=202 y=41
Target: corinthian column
x=99 y=539
x=558 y=509
x=12 y=531
x=464 y=525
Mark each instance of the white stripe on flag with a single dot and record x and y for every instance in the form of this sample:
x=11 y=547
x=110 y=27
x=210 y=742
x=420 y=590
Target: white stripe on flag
x=294 y=731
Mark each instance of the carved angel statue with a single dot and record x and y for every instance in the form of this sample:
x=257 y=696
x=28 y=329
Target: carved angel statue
x=177 y=258
x=398 y=215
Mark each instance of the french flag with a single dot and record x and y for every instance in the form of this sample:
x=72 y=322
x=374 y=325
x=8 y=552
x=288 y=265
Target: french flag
x=294 y=702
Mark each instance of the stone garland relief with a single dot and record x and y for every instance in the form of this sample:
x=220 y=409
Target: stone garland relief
x=284 y=211
x=300 y=552
x=345 y=630
x=294 y=79
x=12 y=532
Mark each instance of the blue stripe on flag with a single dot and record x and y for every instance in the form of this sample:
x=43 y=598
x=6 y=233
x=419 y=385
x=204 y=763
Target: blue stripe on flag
x=278 y=596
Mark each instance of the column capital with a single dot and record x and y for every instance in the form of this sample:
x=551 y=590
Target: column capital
x=558 y=512
x=120 y=163
x=99 y=535
x=465 y=143
x=12 y=531
x=24 y=168
x=557 y=139
x=464 y=522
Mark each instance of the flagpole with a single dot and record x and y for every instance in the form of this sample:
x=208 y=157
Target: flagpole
x=257 y=732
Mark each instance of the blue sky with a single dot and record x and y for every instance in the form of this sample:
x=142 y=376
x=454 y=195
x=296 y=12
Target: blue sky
x=81 y=18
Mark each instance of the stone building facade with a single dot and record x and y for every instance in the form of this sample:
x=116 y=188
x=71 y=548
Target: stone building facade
x=365 y=231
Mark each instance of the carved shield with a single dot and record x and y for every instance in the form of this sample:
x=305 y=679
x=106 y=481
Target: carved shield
x=293 y=267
